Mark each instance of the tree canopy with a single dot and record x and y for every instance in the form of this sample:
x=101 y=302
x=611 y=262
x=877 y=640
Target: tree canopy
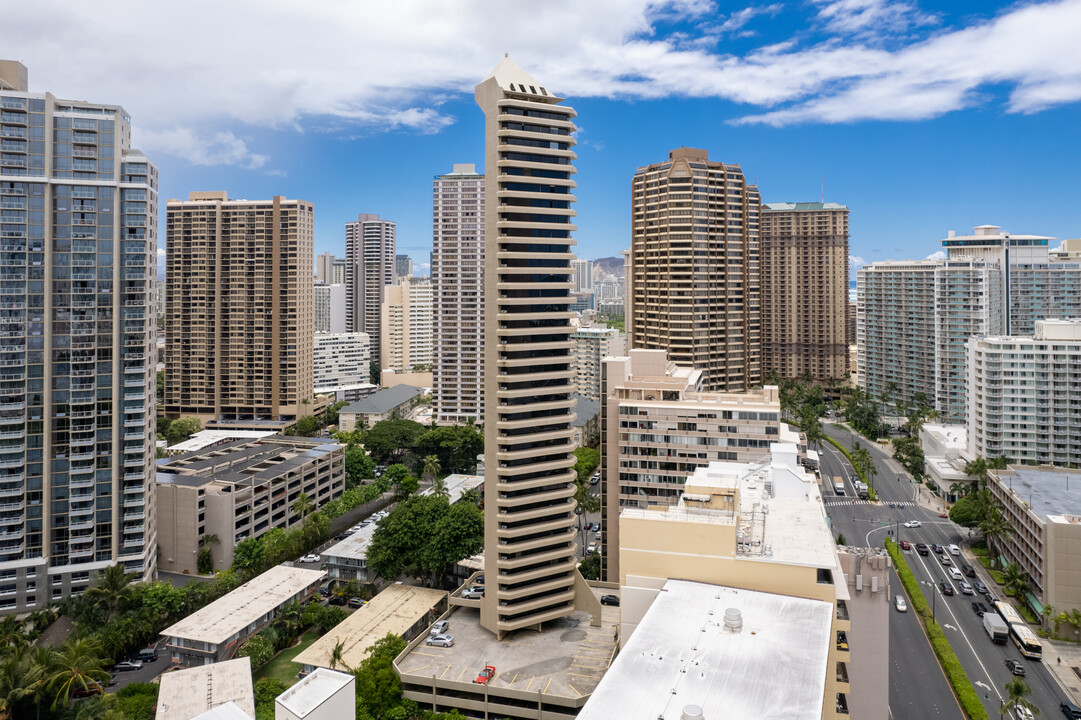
x=389 y=440
x=424 y=536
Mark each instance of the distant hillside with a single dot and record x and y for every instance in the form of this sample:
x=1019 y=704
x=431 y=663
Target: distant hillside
x=603 y=267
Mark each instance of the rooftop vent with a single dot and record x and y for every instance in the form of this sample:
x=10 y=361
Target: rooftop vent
x=733 y=621
x=692 y=712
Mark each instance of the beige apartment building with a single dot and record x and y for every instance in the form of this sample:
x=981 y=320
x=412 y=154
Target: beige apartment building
x=693 y=282
x=760 y=527
x=406 y=334
x=239 y=490
x=804 y=251
x=592 y=344
x=457 y=294
x=529 y=520
x=370 y=266
x=658 y=426
x=239 y=308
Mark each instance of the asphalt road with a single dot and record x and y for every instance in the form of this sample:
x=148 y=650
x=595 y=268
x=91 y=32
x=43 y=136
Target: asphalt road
x=863 y=523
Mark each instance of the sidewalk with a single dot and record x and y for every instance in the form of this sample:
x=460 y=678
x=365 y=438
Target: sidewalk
x=1063 y=659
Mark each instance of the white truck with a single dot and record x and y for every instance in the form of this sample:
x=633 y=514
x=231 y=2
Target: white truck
x=996 y=628
x=839 y=485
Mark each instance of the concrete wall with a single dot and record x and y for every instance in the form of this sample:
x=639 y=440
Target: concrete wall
x=869 y=634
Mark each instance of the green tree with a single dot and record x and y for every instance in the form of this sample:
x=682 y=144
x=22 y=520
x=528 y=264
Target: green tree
x=907 y=451
x=431 y=472
x=375 y=373
x=965 y=512
x=590 y=567
x=378 y=688
x=331 y=415
x=862 y=461
x=266 y=691
x=337 y=659
x=204 y=560
x=472 y=496
x=303 y=505
x=958 y=490
x=12 y=632
x=977 y=470
x=587 y=502
x=14 y=679
x=388 y=441
x=248 y=555
x=424 y=536
x=79 y=665
x=1017 y=692
x=307 y=426
x=456 y=446
x=259 y=648
x=587 y=461
x=994 y=526
x=359 y=466
x=161 y=387
x=181 y=429
x=811 y=425
x=111 y=587
x=458 y=534
x=401 y=481
x=1015 y=580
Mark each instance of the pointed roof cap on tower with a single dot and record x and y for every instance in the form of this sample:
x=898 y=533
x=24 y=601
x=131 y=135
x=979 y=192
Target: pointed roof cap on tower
x=511 y=78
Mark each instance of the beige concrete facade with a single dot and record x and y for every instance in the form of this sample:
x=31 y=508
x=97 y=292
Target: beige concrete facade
x=529 y=520
x=457 y=294
x=693 y=286
x=406 y=334
x=719 y=534
x=804 y=252
x=239 y=308
x=865 y=681
x=369 y=268
x=658 y=426
x=240 y=490
x=592 y=344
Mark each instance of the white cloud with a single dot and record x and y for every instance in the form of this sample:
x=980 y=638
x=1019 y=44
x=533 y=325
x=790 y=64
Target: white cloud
x=193 y=85
x=161 y=260
x=855 y=262
x=938 y=255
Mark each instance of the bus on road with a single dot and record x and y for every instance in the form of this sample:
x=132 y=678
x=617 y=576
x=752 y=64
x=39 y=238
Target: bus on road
x=1026 y=641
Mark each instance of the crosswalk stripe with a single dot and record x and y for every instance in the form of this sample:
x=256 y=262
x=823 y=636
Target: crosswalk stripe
x=898 y=503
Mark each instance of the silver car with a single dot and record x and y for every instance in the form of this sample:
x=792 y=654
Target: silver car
x=900 y=604
x=439 y=628
x=441 y=640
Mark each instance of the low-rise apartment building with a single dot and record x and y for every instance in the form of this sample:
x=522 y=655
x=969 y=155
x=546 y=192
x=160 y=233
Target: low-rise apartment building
x=945 y=454
x=239 y=490
x=214 y=633
x=187 y=694
x=392 y=402
x=1045 y=513
x=1025 y=395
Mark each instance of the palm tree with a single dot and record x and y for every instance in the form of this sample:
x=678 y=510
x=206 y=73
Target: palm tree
x=42 y=663
x=958 y=490
x=1049 y=618
x=1015 y=580
x=471 y=495
x=431 y=468
x=111 y=588
x=336 y=659
x=78 y=665
x=439 y=487
x=12 y=632
x=977 y=470
x=994 y=527
x=303 y=505
x=204 y=561
x=587 y=503
x=1017 y=692
x=13 y=679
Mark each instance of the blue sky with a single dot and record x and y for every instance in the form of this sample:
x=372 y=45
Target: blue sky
x=922 y=117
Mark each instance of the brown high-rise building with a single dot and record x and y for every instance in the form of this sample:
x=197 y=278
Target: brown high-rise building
x=530 y=553
x=239 y=320
x=693 y=287
x=805 y=290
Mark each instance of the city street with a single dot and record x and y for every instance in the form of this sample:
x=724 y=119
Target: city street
x=864 y=523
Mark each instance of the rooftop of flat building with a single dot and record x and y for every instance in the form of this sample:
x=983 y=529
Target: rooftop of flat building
x=313 y=690
x=954 y=437
x=247 y=460
x=1047 y=491
x=801 y=206
x=206 y=438
x=184 y=694
x=682 y=654
x=231 y=613
x=585 y=408
x=394 y=610
x=567 y=658
x=382 y=401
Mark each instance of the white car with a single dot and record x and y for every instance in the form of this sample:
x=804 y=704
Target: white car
x=954 y=550
x=474 y=593
x=1022 y=713
x=913 y=524
x=310 y=558
x=965 y=587
x=900 y=604
x=439 y=628
x=440 y=640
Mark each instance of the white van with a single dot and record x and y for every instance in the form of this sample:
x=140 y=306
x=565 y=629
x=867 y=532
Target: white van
x=956 y=574
x=954 y=550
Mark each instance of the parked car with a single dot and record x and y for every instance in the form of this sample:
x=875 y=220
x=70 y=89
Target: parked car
x=937 y=548
x=355 y=602
x=1023 y=713
x=967 y=570
x=128 y=666
x=473 y=593
x=336 y=600
x=1015 y=666
x=913 y=524
x=440 y=640
x=591 y=549
x=310 y=558
x=1070 y=710
x=609 y=600
x=947 y=589
x=979 y=608
x=486 y=674
x=943 y=515
x=147 y=655
x=906 y=545
x=440 y=627
x=93 y=687
x=922 y=549
x=966 y=589
x=595 y=527
x=900 y=604
x=324 y=591
x=596 y=478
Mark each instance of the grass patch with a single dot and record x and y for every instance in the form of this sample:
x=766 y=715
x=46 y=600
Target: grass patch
x=282 y=666
x=1027 y=614
x=995 y=575
x=980 y=552
x=955 y=674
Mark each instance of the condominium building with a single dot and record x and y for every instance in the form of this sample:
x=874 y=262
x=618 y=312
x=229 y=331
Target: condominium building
x=581 y=301
x=693 y=285
x=592 y=344
x=239 y=317
x=329 y=270
x=529 y=523
x=341 y=362
x=895 y=328
x=610 y=289
x=1025 y=401
x=804 y=251
x=658 y=426
x=403 y=265
x=369 y=268
x=1045 y=514
x=583 y=275
x=758 y=533
x=329 y=313
x=457 y=294
x=78 y=231
x=407 y=334
x=239 y=490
